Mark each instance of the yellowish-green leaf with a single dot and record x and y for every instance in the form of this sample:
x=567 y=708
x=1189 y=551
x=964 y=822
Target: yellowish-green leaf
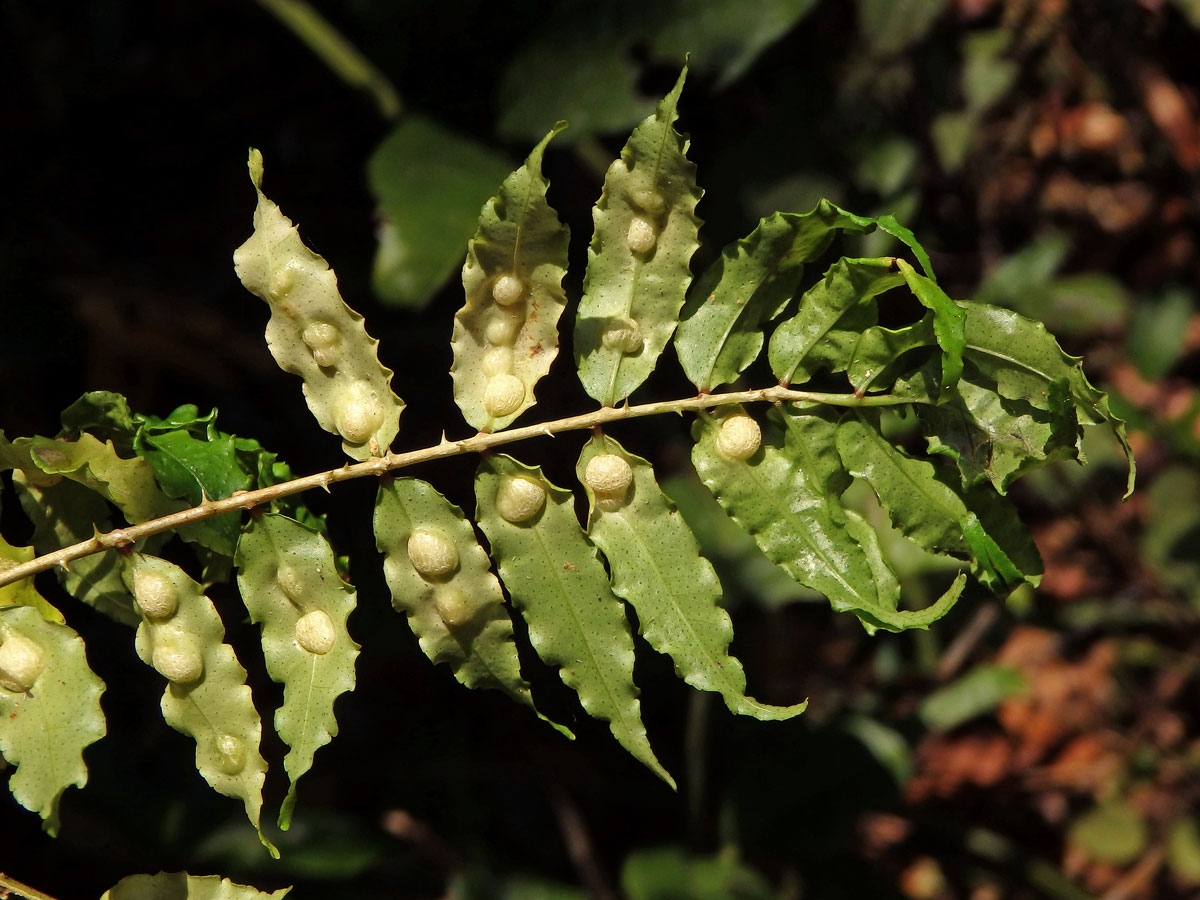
x=23 y=592
x=182 y=886
x=506 y=334
x=638 y=263
x=556 y=579
x=314 y=334
x=291 y=587
x=182 y=638
x=656 y=566
x=49 y=709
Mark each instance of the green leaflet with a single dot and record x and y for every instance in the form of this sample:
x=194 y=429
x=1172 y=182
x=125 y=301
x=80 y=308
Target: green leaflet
x=453 y=601
x=506 y=334
x=64 y=514
x=948 y=326
x=182 y=886
x=181 y=637
x=49 y=708
x=833 y=313
x=750 y=283
x=980 y=526
x=554 y=576
x=655 y=564
x=637 y=275
x=1024 y=360
x=314 y=334
x=996 y=439
x=879 y=348
x=290 y=586
x=786 y=496
x=23 y=592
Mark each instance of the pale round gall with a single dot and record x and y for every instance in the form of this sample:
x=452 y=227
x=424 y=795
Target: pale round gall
x=20 y=663
x=502 y=329
x=453 y=606
x=179 y=663
x=608 y=475
x=433 y=555
x=622 y=336
x=282 y=281
x=497 y=361
x=519 y=499
x=503 y=395
x=291 y=581
x=360 y=415
x=324 y=340
x=507 y=290
x=648 y=201
x=231 y=753
x=315 y=633
x=739 y=437
x=155 y=595
x=641 y=236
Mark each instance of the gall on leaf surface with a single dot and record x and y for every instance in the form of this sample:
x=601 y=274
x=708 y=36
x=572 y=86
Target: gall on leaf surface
x=314 y=334
x=638 y=262
x=181 y=636
x=49 y=707
x=555 y=577
x=506 y=334
x=656 y=566
x=929 y=509
x=751 y=283
x=291 y=588
x=787 y=496
x=441 y=579
x=182 y=886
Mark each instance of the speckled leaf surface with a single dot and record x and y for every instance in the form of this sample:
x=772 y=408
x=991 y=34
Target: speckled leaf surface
x=182 y=886
x=832 y=316
x=289 y=583
x=314 y=334
x=750 y=283
x=456 y=610
x=1024 y=360
x=556 y=579
x=927 y=508
x=206 y=695
x=638 y=263
x=655 y=565
x=49 y=709
x=508 y=327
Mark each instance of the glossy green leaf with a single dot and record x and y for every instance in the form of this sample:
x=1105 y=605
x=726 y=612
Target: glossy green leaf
x=453 y=601
x=429 y=184
x=948 y=326
x=67 y=513
x=290 y=586
x=314 y=334
x=638 y=263
x=506 y=333
x=655 y=565
x=23 y=592
x=49 y=708
x=878 y=349
x=181 y=636
x=182 y=886
x=833 y=314
x=749 y=284
x=556 y=579
x=1024 y=361
x=926 y=508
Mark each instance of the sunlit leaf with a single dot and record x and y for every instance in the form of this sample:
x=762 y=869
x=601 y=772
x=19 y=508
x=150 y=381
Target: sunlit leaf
x=555 y=578
x=23 y=592
x=49 y=708
x=290 y=586
x=314 y=334
x=506 y=334
x=182 y=886
x=656 y=566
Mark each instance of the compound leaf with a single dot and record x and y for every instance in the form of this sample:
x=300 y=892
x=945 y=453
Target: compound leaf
x=182 y=638
x=182 y=886
x=655 y=565
x=637 y=275
x=555 y=578
x=314 y=334
x=506 y=334
x=49 y=708
x=440 y=577
x=291 y=587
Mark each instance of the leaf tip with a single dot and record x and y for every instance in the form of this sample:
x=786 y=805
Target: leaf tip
x=255 y=164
